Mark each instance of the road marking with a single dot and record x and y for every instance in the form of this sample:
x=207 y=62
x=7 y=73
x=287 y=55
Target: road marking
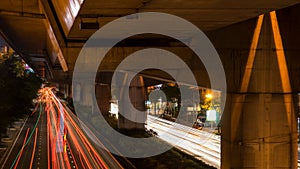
x=15 y=163
x=34 y=146
x=11 y=148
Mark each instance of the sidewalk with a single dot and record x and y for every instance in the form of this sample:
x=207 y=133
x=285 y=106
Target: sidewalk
x=12 y=133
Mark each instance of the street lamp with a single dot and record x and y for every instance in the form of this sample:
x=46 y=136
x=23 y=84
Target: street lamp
x=209 y=96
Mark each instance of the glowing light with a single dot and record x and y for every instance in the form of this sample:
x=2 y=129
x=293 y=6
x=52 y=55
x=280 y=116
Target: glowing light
x=34 y=147
x=209 y=96
x=238 y=106
x=251 y=57
x=21 y=152
x=284 y=74
x=62 y=124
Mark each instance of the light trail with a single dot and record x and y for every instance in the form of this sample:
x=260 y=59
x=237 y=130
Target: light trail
x=67 y=145
x=15 y=162
x=34 y=146
x=72 y=155
x=48 y=142
x=203 y=145
x=86 y=142
x=13 y=145
x=95 y=138
x=82 y=163
x=63 y=127
x=21 y=151
x=80 y=149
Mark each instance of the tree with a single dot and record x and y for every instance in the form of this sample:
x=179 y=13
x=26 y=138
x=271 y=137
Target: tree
x=18 y=87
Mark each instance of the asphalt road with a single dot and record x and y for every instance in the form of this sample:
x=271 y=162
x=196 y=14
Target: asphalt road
x=198 y=143
x=53 y=138
x=19 y=158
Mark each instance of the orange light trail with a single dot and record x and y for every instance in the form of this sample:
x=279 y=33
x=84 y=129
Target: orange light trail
x=82 y=163
x=34 y=146
x=48 y=141
x=60 y=120
x=21 y=152
x=72 y=155
x=79 y=148
x=86 y=142
x=71 y=119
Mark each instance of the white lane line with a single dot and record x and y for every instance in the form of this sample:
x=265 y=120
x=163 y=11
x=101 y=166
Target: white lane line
x=11 y=148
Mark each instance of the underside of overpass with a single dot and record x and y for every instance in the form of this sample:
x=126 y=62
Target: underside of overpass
x=259 y=50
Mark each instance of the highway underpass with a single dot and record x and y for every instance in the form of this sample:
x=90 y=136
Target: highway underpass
x=257 y=42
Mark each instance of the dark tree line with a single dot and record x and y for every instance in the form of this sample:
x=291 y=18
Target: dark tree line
x=18 y=87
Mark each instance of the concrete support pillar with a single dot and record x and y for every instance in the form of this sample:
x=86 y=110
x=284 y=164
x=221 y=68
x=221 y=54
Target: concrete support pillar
x=137 y=95
x=70 y=94
x=64 y=89
x=76 y=95
x=103 y=96
x=259 y=124
x=86 y=95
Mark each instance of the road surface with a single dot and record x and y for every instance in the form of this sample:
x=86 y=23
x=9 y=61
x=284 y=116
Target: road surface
x=53 y=138
x=198 y=143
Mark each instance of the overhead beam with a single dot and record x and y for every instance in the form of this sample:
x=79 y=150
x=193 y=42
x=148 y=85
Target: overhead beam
x=133 y=42
x=22 y=55
x=47 y=8
x=55 y=34
x=23 y=14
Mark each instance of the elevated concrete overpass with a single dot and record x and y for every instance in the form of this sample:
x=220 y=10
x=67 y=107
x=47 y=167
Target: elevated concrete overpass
x=48 y=35
x=259 y=54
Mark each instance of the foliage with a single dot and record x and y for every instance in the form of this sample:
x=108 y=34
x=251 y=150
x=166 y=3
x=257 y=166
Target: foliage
x=17 y=87
x=209 y=104
x=171 y=91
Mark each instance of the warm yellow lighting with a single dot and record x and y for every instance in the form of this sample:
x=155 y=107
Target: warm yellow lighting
x=209 y=96
x=238 y=106
x=280 y=54
x=251 y=57
x=284 y=74
x=286 y=85
x=65 y=148
x=171 y=84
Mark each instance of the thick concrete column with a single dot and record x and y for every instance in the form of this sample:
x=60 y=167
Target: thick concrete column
x=103 y=96
x=77 y=95
x=64 y=89
x=86 y=92
x=137 y=95
x=259 y=124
